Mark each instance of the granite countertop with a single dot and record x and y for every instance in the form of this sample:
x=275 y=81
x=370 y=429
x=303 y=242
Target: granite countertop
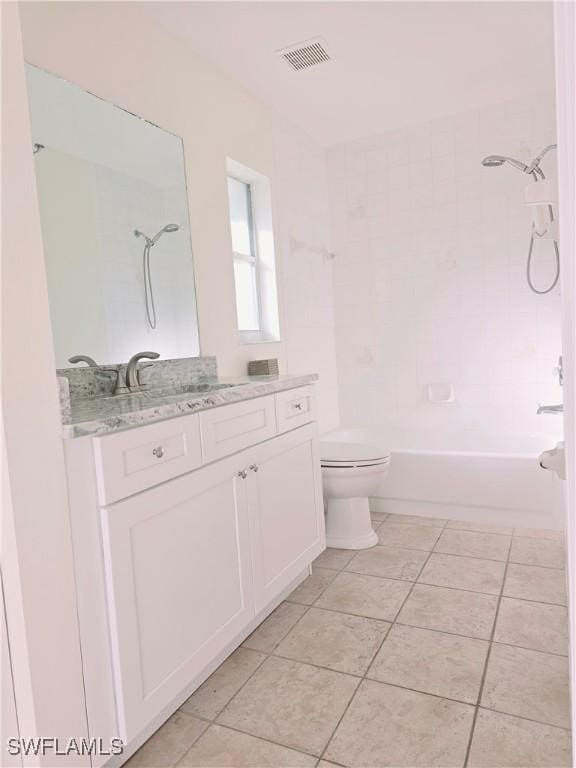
x=102 y=415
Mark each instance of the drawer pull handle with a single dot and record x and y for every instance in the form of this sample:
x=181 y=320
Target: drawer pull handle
x=298 y=406
x=254 y=467
x=158 y=452
x=243 y=474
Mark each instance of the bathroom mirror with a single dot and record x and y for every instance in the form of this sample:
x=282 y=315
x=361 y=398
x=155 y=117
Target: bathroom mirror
x=115 y=227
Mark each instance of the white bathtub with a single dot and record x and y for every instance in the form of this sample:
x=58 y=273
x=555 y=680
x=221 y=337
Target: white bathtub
x=495 y=488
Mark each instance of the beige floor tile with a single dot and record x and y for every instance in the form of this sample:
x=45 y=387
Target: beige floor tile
x=431 y=662
x=464 y=573
x=218 y=689
x=312 y=587
x=450 y=610
x=460 y=525
x=490 y=546
x=435 y=522
x=326 y=764
x=531 y=582
x=528 y=684
x=379 y=516
x=336 y=640
x=291 y=704
x=169 y=743
x=540 y=533
x=503 y=741
x=224 y=748
x=388 y=726
x=532 y=625
x=273 y=629
x=389 y=562
x=537 y=552
x=411 y=536
x=368 y=596
x=335 y=559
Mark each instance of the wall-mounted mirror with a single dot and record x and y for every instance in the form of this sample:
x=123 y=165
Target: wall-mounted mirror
x=114 y=215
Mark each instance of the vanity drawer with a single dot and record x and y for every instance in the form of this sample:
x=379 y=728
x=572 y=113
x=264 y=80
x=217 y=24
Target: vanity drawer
x=295 y=407
x=130 y=461
x=232 y=428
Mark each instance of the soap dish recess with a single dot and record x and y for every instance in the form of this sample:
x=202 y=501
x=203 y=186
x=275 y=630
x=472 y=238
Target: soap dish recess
x=441 y=393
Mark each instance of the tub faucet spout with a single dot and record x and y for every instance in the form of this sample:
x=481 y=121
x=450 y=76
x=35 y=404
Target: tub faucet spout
x=550 y=409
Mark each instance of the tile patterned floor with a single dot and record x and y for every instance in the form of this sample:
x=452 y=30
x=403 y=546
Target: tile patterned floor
x=445 y=645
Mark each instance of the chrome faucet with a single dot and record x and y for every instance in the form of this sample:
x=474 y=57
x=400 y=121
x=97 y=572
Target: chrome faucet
x=550 y=409
x=83 y=359
x=132 y=375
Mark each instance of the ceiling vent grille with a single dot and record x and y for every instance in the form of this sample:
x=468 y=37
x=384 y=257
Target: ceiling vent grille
x=304 y=55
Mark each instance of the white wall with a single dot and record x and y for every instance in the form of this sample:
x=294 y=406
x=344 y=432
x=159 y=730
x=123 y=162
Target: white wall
x=303 y=218
x=36 y=552
x=430 y=285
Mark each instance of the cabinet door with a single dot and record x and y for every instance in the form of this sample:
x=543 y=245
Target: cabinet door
x=177 y=563
x=286 y=511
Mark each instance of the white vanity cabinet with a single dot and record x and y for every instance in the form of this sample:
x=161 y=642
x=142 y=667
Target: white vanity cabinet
x=285 y=498
x=190 y=563
x=179 y=588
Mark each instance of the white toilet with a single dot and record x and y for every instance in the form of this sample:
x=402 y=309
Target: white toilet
x=351 y=473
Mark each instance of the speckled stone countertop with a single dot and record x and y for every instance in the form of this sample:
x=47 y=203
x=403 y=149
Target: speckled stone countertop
x=101 y=415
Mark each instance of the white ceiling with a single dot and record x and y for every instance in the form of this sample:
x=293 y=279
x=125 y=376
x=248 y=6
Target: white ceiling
x=393 y=63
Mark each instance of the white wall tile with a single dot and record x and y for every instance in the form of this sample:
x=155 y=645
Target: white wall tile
x=430 y=283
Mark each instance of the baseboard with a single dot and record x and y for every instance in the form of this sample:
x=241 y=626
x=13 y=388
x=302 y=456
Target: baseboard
x=516 y=518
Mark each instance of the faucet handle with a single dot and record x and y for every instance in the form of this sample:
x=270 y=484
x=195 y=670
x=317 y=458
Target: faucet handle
x=132 y=380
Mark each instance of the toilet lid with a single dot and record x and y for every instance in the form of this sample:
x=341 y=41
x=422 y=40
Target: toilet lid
x=336 y=454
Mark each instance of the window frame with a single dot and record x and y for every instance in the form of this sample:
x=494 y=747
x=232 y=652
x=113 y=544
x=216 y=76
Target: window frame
x=251 y=258
x=263 y=253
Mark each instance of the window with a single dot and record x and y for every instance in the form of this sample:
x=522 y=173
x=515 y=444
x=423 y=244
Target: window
x=253 y=254
x=244 y=252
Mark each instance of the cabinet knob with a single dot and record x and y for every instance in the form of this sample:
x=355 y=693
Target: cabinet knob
x=298 y=406
x=254 y=467
x=243 y=474
x=158 y=452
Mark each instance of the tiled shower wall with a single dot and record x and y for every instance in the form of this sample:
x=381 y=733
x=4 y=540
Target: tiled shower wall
x=430 y=283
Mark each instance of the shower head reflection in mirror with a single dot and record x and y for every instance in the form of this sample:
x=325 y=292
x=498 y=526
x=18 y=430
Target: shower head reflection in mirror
x=532 y=169
x=148 y=289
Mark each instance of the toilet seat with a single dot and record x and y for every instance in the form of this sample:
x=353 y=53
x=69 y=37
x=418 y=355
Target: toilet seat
x=348 y=455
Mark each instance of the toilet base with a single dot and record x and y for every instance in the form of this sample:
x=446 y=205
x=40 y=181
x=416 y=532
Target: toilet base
x=348 y=524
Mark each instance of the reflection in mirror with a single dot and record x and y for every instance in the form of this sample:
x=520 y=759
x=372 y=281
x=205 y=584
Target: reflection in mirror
x=114 y=215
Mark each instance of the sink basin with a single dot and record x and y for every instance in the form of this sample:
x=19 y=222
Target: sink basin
x=192 y=389
x=147 y=393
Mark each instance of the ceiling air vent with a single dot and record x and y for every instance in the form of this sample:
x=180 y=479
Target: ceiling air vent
x=304 y=55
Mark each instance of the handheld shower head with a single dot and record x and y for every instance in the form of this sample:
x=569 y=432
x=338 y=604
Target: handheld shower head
x=492 y=161
x=167 y=228
x=150 y=241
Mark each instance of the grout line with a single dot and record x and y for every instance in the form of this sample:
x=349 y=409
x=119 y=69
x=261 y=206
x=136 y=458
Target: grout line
x=347 y=569
x=375 y=654
x=568 y=729
x=252 y=735
x=487 y=661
